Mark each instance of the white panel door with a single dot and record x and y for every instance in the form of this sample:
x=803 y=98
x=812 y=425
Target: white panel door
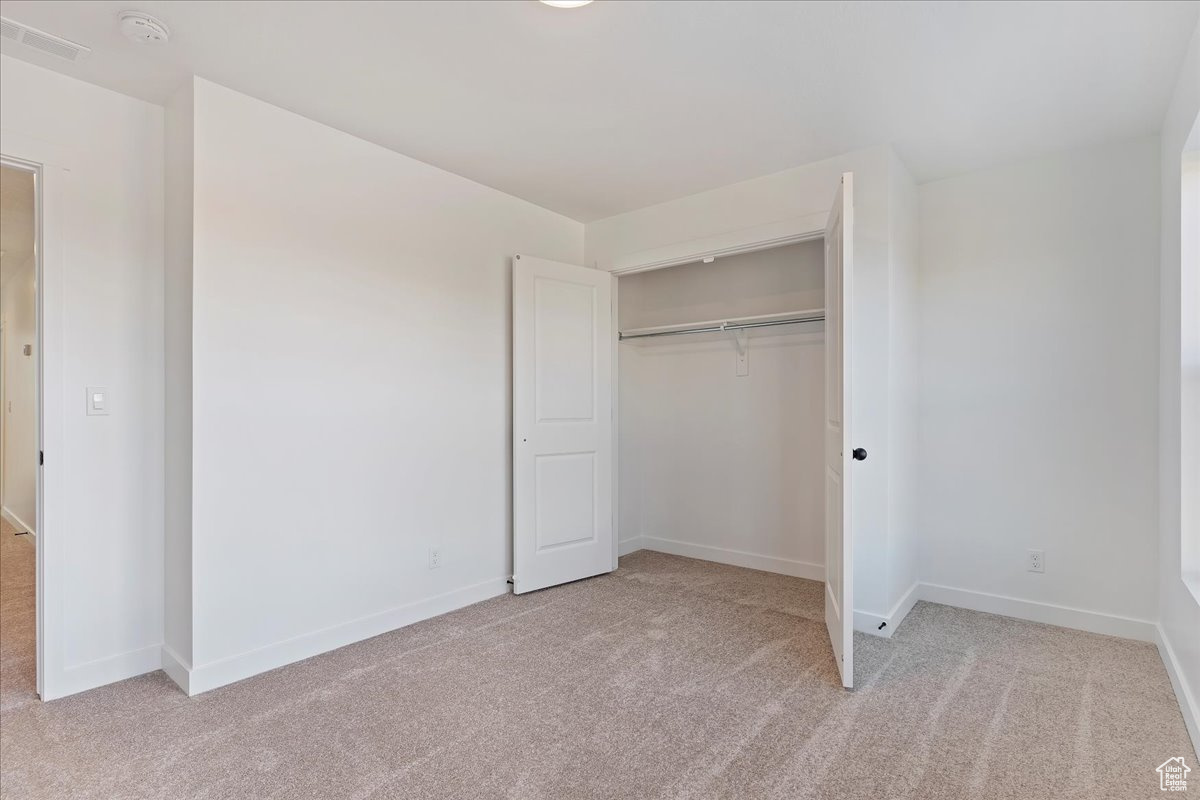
x=839 y=544
x=563 y=345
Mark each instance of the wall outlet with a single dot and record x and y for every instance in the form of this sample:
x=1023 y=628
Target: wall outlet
x=435 y=557
x=1035 y=561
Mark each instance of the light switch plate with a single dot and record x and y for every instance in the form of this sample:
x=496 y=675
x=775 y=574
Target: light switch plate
x=98 y=401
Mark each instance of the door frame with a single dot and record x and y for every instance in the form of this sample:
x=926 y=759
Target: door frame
x=735 y=243
x=51 y=173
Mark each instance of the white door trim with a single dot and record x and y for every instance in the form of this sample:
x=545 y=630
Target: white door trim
x=51 y=166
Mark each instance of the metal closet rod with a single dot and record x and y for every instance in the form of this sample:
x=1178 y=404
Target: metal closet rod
x=725 y=326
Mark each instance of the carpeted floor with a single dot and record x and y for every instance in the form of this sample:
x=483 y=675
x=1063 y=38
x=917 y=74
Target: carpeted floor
x=18 y=654
x=671 y=678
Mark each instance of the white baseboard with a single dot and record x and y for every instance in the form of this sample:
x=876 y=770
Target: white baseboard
x=18 y=523
x=1188 y=704
x=870 y=623
x=737 y=558
x=102 y=671
x=1064 y=616
x=867 y=622
x=208 y=676
x=627 y=546
x=177 y=668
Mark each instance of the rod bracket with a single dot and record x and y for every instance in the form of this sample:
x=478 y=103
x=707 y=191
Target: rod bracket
x=740 y=337
x=741 y=341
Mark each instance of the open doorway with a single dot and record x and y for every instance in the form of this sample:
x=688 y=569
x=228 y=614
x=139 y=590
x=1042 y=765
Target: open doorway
x=19 y=435
x=626 y=431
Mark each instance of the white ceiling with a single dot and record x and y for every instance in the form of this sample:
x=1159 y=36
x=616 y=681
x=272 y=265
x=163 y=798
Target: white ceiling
x=619 y=105
x=16 y=219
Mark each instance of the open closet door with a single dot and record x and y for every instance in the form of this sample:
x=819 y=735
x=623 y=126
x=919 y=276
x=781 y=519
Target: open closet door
x=839 y=544
x=563 y=345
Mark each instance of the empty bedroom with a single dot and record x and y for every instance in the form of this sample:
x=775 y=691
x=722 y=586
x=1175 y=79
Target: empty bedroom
x=599 y=399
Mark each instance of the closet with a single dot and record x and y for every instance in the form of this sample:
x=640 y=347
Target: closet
x=693 y=404
x=721 y=379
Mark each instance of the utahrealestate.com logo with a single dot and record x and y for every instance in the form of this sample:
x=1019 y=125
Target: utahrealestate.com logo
x=1172 y=775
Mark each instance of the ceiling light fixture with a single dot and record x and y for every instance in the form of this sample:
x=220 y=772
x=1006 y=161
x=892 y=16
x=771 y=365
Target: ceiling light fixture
x=566 y=3
x=138 y=26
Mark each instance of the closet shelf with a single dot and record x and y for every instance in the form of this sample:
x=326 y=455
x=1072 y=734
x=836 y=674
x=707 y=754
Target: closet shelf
x=722 y=325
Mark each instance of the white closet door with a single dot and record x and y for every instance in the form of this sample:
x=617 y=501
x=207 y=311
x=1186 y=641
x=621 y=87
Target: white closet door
x=563 y=346
x=839 y=544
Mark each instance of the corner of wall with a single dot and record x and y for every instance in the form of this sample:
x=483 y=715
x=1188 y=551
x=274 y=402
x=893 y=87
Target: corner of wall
x=903 y=361
x=179 y=150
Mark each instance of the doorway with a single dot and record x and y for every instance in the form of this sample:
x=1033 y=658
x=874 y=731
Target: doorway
x=570 y=435
x=20 y=429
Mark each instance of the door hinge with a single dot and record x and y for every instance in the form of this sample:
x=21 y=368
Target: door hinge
x=41 y=458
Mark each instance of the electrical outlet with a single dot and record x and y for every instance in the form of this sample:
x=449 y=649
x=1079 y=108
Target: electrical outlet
x=1035 y=561
x=435 y=557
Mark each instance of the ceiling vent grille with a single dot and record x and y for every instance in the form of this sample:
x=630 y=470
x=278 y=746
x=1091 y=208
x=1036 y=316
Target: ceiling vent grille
x=40 y=40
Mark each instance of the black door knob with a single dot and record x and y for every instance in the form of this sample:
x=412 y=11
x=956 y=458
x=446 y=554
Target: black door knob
x=859 y=454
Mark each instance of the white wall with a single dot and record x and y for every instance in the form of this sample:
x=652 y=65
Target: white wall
x=18 y=304
x=713 y=465
x=1179 y=607
x=110 y=535
x=768 y=204
x=350 y=385
x=1038 y=298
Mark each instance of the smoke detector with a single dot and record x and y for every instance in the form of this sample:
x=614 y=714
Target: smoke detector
x=140 y=27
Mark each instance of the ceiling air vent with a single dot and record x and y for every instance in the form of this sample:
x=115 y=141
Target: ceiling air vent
x=40 y=40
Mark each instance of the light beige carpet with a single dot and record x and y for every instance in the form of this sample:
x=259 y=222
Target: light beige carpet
x=671 y=678
x=18 y=655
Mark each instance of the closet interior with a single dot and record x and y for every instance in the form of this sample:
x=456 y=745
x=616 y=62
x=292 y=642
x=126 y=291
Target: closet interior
x=721 y=399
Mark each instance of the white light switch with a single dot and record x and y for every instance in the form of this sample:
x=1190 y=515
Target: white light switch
x=97 y=400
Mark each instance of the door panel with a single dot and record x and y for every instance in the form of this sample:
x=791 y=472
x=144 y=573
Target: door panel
x=564 y=499
x=564 y=350
x=563 y=447
x=839 y=551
